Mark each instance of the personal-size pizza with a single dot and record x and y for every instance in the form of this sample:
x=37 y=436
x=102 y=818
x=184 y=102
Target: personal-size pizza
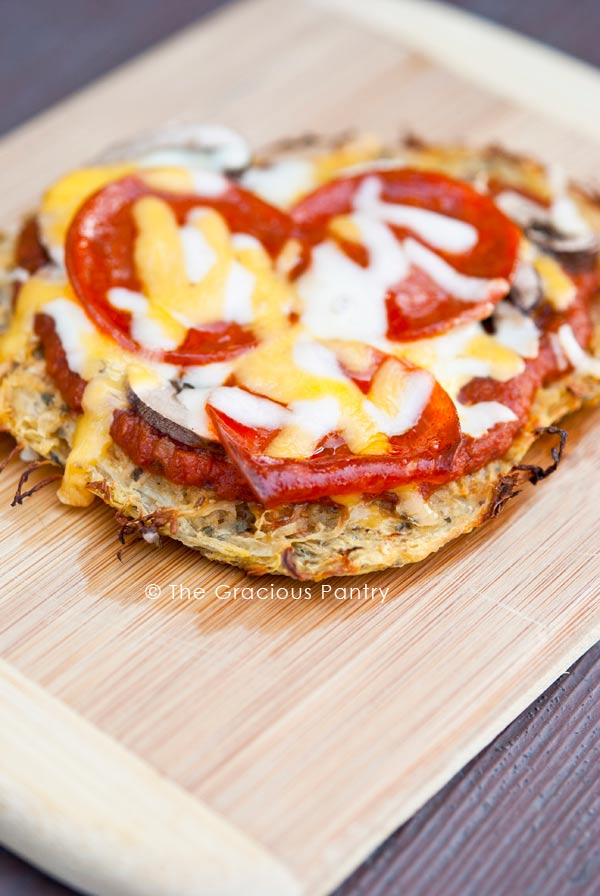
x=328 y=357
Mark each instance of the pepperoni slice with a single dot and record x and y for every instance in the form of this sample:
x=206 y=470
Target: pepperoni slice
x=423 y=453
x=70 y=385
x=100 y=256
x=519 y=392
x=30 y=253
x=419 y=306
x=207 y=467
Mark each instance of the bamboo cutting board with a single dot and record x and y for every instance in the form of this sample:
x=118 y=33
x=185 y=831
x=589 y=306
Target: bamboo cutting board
x=158 y=741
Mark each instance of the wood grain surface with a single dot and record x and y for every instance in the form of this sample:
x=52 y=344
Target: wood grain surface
x=522 y=819
x=453 y=859
x=99 y=815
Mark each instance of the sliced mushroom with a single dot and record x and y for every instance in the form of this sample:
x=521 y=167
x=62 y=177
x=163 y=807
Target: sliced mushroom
x=577 y=251
x=212 y=147
x=520 y=209
x=526 y=288
x=160 y=406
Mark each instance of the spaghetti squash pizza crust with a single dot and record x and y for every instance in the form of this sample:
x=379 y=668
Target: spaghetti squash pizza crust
x=336 y=533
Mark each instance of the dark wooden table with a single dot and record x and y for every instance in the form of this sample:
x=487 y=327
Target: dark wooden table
x=523 y=818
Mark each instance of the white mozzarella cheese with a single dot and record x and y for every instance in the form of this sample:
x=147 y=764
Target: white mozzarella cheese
x=248 y=409
x=239 y=287
x=343 y=300
x=282 y=182
x=198 y=254
x=241 y=241
x=441 y=231
x=413 y=399
x=477 y=419
x=466 y=289
x=317 y=360
x=319 y=416
x=516 y=330
x=72 y=325
x=204 y=376
x=146 y=331
x=581 y=360
x=564 y=214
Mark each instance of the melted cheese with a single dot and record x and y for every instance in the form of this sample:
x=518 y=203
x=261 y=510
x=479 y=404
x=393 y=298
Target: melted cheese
x=198 y=255
x=398 y=397
x=521 y=209
x=280 y=183
x=309 y=396
x=558 y=288
x=581 y=360
x=310 y=421
x=440 y=231
x=209 y=184
x=248 y=409
x=93 y=356
x=272 y=370
x=209 y=146
x=102 y=396
x=285 y=180
x=195 y=416
x=198 y=275
x=62 y=200
x=33 y=295
x=359 y=151
x=466 y=289
x=293 y=384
x=477 y=419
x=150 y=328
x=207 y=375
x=181 y=395
x=564 y=213
x=412 y=504
x=515 y=331
x=343 y=299
x=107 y=368
x=455 y=358
x=567 y=218
x=239 y=287
x=74 y=330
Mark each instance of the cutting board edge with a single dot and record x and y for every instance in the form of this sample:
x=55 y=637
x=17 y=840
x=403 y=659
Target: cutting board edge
x=560 y=666
x=52 y=828
x=485 y=737
x=94 y=815
x=498 y=59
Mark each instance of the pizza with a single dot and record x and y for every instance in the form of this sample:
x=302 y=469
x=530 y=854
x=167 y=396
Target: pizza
x=326 y=357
